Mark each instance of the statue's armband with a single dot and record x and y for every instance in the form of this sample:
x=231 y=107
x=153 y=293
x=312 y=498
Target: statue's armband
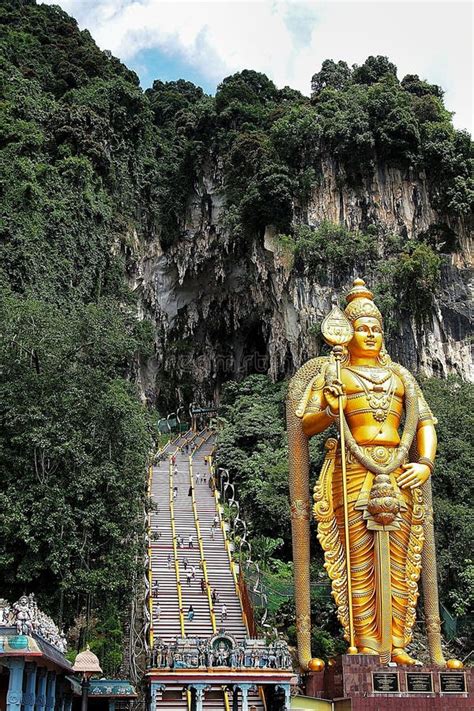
x=425 y=415
x=313 y=398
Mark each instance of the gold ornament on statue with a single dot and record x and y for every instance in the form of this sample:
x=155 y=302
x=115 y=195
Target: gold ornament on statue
x=373 y=490
x=336 y=328
x=383 y=506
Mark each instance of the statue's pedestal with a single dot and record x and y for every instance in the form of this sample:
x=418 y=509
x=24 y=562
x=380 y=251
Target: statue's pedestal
x=371 y=686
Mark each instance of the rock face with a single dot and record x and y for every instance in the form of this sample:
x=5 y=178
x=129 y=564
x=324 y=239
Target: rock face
x=225 y=308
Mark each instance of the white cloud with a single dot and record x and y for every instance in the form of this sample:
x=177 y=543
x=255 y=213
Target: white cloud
x=289 y=40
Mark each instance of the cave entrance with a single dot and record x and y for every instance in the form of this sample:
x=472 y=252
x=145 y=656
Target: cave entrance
x=251 y=352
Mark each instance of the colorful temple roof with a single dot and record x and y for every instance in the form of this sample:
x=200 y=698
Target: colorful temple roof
x=30 y=646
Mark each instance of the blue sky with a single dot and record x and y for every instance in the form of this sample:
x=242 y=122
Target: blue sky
x=154 y=63
x=286 y=39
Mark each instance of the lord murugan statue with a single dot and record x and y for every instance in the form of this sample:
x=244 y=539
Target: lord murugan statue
x=372 y=500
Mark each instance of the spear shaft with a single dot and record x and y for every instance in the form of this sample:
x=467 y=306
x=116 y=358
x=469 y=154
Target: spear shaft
x=338 y=351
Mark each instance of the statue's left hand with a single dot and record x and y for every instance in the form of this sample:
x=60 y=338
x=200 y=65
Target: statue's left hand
x=414 y=475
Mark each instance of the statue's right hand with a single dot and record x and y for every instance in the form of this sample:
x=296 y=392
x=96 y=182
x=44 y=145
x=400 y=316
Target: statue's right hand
x=334 y=393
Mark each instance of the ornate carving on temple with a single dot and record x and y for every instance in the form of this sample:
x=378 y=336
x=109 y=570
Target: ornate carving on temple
x=25 y=616
x=221 y=650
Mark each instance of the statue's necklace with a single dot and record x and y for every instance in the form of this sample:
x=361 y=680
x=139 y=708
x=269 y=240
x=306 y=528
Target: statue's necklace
x=373 y=375
x=408 y=434
x=378 y=399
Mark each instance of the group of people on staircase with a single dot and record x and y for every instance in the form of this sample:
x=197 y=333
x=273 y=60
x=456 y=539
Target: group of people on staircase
x=214 y=597
x=166 y=656
x=180 y=541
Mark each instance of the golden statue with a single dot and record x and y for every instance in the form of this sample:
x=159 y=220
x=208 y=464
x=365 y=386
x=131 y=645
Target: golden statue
x=373 y=497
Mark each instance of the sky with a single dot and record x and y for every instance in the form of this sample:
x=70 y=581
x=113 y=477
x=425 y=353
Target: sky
x=204 y=42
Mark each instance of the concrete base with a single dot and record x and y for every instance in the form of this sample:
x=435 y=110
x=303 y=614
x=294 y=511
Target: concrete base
x=351 y=683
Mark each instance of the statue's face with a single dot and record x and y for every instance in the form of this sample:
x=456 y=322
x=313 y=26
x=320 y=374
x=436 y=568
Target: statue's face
x=368 y=337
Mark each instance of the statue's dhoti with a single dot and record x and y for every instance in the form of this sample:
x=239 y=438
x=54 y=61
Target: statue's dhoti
x=395 y=594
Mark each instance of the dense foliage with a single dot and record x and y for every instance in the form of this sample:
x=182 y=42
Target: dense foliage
x=252 y=446
x=93 y=169
x=74 y=443
x=75 y=437
x=86 y=152
x=406 y=273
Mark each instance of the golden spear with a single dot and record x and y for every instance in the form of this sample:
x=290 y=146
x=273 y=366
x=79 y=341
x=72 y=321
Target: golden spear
x=337 y=331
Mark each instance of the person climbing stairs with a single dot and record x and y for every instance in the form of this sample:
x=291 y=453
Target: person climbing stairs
x=189 y=561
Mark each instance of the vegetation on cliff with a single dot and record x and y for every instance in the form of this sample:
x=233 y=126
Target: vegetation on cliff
x=75 y=437
x=93 y=169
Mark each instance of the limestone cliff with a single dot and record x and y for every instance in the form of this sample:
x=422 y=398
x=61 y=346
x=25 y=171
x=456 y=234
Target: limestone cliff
x=225 y=309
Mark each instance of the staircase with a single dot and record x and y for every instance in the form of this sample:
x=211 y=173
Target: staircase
x=191 y=512
x=218 y=564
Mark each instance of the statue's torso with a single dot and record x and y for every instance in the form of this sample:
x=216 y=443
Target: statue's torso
x=374 y=404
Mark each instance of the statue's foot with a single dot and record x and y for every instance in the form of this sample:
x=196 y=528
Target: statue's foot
x=401 y=657
x=368 y=650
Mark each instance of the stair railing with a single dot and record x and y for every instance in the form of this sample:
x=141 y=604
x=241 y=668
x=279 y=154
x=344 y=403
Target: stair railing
x=204 y=434
x=201 y=551
x=175 y=552
x=194 y=435
x=201 y=548
x=227 y=486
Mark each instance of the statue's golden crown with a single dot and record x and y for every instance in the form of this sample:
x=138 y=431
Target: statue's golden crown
x=360 y=302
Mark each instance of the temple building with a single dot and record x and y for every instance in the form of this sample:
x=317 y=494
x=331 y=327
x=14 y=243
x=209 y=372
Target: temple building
x=34 y=673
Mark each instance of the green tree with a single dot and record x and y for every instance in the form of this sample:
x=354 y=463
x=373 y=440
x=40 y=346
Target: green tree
x=373 y=70
x=452 y=402
x=332 y=251
x=75 y=442
x=334 y=75
x=392 y=120
x=410 y=282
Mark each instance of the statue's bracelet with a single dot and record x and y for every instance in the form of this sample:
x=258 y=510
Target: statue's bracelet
x=330 y=413
x=427 y=462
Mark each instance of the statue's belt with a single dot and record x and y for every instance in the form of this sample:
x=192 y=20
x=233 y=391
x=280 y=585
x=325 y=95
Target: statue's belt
x=380 y=454
x=386 y=456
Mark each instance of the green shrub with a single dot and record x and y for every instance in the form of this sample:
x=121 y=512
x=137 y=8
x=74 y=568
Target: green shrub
x=332 y=251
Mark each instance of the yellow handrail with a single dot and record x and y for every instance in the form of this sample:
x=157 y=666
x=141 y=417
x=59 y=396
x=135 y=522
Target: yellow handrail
x=150 y=572
x=175 y=551
x=203 y=560
x=204 y=438
x=201 y=548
